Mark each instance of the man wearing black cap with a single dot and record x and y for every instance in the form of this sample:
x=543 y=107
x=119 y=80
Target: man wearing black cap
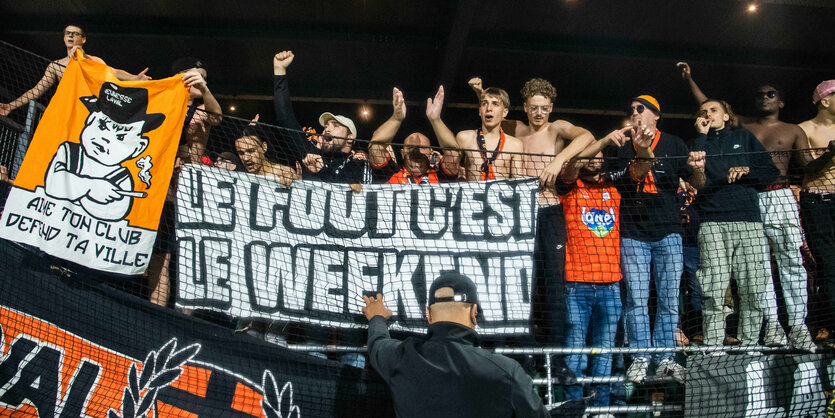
x=203 y=112
x=90 y=172
x=444 y=373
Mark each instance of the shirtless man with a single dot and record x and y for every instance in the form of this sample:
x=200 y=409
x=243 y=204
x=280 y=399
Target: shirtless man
x=778 y=209
x=548 y=145
x=817 y=201
x=489 y=153
x=203 y=112
x=74 y=38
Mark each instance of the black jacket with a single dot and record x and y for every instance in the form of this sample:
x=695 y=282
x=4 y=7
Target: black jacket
x=647 y=214
x=340 y=168
x=443 y=374
x=720 y=201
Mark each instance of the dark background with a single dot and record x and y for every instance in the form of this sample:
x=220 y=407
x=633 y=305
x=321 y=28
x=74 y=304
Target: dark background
x=350 y=54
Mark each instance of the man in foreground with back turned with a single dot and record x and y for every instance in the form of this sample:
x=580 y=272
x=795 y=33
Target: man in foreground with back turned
x=444 y=374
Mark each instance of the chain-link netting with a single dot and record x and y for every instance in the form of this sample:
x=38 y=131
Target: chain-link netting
x=654 y=277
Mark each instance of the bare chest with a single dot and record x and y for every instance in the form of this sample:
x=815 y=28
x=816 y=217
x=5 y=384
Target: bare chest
x=779 y=137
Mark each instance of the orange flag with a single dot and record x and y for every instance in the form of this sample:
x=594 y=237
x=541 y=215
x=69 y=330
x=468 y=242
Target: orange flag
x=92 y=184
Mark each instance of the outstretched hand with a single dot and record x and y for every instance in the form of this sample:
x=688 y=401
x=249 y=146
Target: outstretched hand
x=433 y=107
x=142 y=76
x=399 y=104
x=375 y=306
x=618 y=136
x=281 y=61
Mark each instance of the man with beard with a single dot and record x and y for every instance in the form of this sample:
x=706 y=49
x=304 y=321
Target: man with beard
x=74 y=38
x=332 y=162
x=779 y=212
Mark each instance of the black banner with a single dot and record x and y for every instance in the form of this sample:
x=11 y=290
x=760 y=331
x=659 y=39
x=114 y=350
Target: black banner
x=73 y=346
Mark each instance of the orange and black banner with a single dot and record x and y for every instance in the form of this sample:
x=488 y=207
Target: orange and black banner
x=73 y=346
x=93 y=182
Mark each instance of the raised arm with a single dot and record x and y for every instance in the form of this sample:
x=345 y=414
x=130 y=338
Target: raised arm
x=295 y=142
x=281 y=99
x=212 y=107
x=687 y=76
x=50 y=77
x=579 y=139
x=382 y=137
x=433 y=112
x=617 y=137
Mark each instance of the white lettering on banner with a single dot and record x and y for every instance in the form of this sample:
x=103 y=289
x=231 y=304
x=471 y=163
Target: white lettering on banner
x=253 y=248
x=65 y=230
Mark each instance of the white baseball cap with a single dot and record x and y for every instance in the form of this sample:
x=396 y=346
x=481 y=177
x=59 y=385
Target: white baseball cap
x=325 y=117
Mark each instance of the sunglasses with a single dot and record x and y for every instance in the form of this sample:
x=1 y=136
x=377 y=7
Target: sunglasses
x=639 y=108
x=770 y=94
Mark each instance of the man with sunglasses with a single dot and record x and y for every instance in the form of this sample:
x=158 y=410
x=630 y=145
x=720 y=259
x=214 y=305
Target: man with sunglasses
x=779 y=212
x=651 y=237
x=817 y=201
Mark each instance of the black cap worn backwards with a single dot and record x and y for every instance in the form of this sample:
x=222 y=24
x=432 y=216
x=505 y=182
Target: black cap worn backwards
x=463 y=289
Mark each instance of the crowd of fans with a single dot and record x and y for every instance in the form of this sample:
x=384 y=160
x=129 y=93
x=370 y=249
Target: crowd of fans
x=639 y=229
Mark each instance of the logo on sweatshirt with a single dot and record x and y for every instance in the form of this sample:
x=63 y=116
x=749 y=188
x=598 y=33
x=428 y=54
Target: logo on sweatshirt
x=598 y=221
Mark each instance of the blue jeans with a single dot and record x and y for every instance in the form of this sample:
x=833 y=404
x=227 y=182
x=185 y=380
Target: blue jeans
x=597 y=305
x=667 y=263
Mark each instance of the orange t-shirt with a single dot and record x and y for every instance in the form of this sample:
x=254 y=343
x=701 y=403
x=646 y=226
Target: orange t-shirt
x=592 y=251
x=403 y=177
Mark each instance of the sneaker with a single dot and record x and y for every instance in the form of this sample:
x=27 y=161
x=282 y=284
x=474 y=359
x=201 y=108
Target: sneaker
x=637 y=371
x=800 y=339
x=774 y=335
x=668 y=367
x=563 y=375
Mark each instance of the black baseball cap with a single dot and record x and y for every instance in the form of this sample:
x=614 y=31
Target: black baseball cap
x=463 y=289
